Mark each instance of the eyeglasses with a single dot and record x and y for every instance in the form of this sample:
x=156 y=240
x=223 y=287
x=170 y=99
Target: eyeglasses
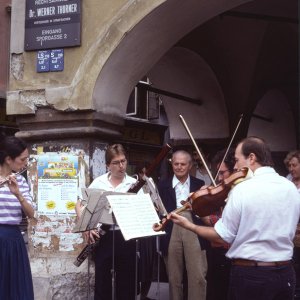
x=118 y=162
x=221 y=173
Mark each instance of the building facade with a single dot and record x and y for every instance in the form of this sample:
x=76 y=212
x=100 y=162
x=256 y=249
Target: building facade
x=136 y=65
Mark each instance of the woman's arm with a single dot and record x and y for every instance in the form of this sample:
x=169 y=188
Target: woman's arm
x=26 y=207
x=14 y=188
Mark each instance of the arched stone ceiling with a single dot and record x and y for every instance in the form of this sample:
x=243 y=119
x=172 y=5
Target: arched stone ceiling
x=186 y=73
x=275 y=122
x=145 y=44
x=249 y=56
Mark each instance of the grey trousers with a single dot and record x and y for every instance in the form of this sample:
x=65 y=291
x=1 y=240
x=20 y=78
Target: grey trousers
x=185 y=247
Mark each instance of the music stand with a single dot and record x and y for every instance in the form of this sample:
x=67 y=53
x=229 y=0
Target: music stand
x=97 y=210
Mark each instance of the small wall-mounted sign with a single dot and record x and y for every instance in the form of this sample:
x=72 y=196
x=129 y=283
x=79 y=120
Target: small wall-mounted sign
x=57 y=60
x=43 y=61
x=50 y=60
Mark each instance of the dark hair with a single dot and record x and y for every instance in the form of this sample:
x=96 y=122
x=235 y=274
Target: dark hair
x=112 y=151
x=290 y=155
x=258 y=147
x=11 y=146
x=229 y=159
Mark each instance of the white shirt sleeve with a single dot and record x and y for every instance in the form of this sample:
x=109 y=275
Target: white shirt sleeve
x=227 y=227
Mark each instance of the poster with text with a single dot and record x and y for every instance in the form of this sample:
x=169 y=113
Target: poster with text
x=57 y=183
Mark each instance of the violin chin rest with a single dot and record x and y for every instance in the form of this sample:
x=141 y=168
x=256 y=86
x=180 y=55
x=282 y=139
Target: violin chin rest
x=238 y=181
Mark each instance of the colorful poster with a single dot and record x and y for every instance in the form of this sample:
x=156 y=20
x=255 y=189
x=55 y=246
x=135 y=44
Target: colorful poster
x=57 y=183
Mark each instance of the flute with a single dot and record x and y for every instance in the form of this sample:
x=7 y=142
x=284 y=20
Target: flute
x=14 y=174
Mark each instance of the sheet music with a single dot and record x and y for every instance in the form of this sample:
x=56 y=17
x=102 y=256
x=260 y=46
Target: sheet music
x=135 y=214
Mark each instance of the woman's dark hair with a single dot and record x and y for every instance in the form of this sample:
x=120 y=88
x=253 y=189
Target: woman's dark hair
x=112 y=151
x=11 y=146
x=258 y=147
x=229 y=159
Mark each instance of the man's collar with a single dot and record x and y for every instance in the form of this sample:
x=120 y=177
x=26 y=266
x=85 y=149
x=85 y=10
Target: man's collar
x=109 y=176
x=175 y=181
x=263 y=170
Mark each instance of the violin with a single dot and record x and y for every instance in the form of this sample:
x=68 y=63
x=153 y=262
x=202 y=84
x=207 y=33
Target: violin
x=207 y=201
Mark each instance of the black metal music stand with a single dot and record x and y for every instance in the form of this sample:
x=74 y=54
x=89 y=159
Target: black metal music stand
x=97 y=210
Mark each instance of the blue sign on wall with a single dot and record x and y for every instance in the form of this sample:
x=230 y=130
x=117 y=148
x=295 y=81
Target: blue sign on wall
x=43 y=61
x=57 y=60
x=50 y=60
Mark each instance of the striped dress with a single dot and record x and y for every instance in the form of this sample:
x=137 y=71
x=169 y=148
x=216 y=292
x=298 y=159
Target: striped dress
x=15 y=273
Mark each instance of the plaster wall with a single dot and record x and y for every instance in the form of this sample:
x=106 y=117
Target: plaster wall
x=186 y=73
x=52 y=244
x=279 y=127
x=4 y=53
x=119 y=42
x=104 y=25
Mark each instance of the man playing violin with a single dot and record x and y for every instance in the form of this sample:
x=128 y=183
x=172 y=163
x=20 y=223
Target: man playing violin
x=181 y=246
x=261 y=246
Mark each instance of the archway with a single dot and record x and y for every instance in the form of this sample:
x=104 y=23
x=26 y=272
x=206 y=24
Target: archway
x=186 y=73
x=144 y=45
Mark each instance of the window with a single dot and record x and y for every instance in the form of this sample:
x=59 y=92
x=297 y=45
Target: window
x=142 y=103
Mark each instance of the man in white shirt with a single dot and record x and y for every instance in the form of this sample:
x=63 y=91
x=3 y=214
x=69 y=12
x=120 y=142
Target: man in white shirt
x=181 y=248
x=259 y=221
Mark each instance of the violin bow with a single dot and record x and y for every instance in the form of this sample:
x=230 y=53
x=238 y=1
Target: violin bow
x=197 y=149
x=229 y=145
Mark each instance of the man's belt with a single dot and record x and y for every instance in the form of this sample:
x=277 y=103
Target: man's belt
x=255 y=263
